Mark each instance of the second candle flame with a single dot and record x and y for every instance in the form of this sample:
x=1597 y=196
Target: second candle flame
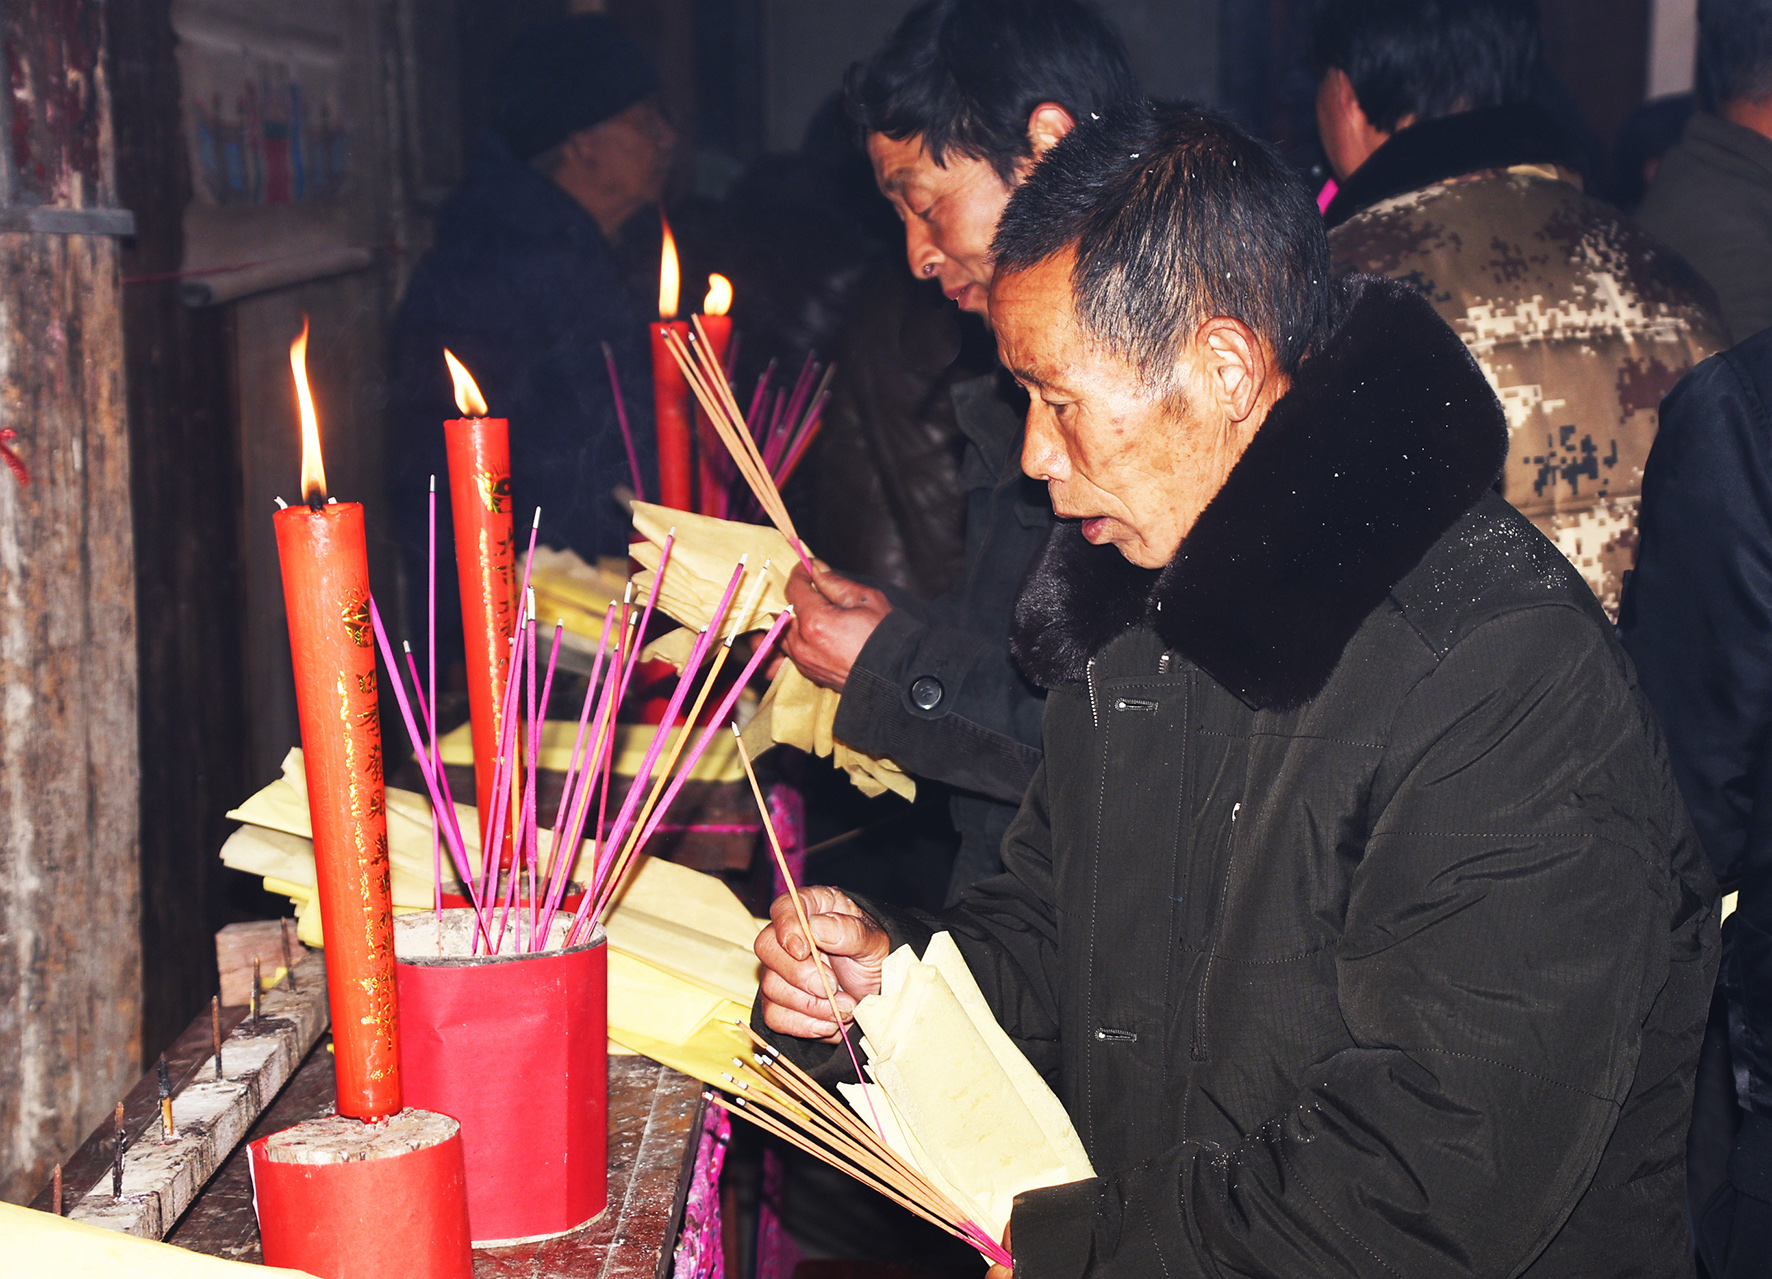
x=719 y=298
x=467 y=394
x=313 y=469
x=669 y=274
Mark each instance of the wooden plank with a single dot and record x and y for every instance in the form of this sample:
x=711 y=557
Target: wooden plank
x=70 y=960
x=162 y=1178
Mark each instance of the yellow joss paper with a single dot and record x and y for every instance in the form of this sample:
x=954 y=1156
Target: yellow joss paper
x=702 y=560
x=971 y=1112
x=38 y=1245
x=795 y=711
x=574 y=592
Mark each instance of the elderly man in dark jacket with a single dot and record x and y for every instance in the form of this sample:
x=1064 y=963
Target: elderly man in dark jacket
x=1354 y=914
x=525 y=287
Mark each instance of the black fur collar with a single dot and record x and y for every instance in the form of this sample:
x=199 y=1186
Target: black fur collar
x=1386 y=437
x=1454 y=145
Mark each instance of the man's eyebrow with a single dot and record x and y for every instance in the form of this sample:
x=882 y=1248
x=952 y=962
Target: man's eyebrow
x=1025 y=377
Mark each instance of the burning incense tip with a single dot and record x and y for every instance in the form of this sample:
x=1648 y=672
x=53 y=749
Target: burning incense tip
x=281 y=504
x=433 y=483
x=168 y=1130
x=332 y=501
x=536 y=522
x=117 y=1155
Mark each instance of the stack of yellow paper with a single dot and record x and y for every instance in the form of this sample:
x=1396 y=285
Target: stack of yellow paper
x=574 y=592
x=795 y=711
x=956 y=1097
x=38 y=1245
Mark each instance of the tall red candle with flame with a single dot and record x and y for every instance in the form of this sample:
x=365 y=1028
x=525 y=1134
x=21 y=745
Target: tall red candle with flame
x=670 y=393
x=320 y=546
x=485 y=564
x=717 y=324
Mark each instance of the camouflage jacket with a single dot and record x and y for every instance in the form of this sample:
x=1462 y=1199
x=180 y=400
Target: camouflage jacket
x=1580 y=321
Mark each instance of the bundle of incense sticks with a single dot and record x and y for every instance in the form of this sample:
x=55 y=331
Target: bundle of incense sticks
x=536 y=886
x=701 y=369
x=783 y=423
x=784 y=1100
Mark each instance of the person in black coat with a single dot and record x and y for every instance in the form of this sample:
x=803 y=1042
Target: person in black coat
x=1698 y=622
x=1354 y=914
x=957 y=108
x=524 y=287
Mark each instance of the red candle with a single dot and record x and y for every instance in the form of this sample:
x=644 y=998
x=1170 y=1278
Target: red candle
x=717 y=324
x=320 y=546
x=670 y=392
x=485 y=565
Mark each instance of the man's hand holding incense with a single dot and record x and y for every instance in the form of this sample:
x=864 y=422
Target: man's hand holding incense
x=796 y=1000
x=833 y=618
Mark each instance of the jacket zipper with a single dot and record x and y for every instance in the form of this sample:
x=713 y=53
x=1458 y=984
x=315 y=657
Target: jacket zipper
x=1089 y=679
x=1199 y=1049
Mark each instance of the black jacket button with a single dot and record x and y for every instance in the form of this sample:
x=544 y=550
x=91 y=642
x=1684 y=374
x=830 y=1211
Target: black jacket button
x=926 y=693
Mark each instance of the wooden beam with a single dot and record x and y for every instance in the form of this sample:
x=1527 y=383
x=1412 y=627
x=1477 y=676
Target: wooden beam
x=162 y=1178
x=70 y=953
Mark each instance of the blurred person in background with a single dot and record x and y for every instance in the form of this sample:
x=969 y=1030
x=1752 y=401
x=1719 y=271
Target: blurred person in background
x=1454 y=179
x=524 y=285
x=1712 y=195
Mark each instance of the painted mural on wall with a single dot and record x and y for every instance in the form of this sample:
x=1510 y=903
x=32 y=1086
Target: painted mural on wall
x=269 y=140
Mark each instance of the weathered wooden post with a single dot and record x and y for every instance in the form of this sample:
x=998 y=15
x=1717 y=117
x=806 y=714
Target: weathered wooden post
x=70 y=946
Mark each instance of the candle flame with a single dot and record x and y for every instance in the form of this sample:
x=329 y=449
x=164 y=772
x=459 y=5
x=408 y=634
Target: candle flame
x=313 y=469
x=467 y=394
x=669 y=274
x=719 y=298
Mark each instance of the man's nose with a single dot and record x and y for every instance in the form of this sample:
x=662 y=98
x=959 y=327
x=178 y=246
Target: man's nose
x=1042 y=450
x=920 y=251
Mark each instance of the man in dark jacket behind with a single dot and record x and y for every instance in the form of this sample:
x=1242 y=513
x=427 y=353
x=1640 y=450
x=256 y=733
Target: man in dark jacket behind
x=1454 y=182
x=1354 y=914
x=1698 y=622
x=957 y=108
x=524 y=287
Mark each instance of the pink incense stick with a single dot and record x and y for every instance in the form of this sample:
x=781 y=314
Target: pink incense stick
x=490 y=854
x=430 y=714
x=412 y=729
x=722 y=713
x=570 y=841
x=630 y=662
x=492 y=841
x=621 y=416
x=575 y=763
x=642 y=778
x=452 y=830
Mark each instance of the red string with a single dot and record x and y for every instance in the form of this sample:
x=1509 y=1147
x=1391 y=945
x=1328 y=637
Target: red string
x=12 y=459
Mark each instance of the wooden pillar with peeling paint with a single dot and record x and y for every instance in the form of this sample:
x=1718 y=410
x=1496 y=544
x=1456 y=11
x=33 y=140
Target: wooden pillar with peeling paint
x=70 y=947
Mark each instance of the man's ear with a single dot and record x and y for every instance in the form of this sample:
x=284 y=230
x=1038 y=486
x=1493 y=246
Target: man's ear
x=1047 y=125
x=1236 y=363
x=580 y=149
